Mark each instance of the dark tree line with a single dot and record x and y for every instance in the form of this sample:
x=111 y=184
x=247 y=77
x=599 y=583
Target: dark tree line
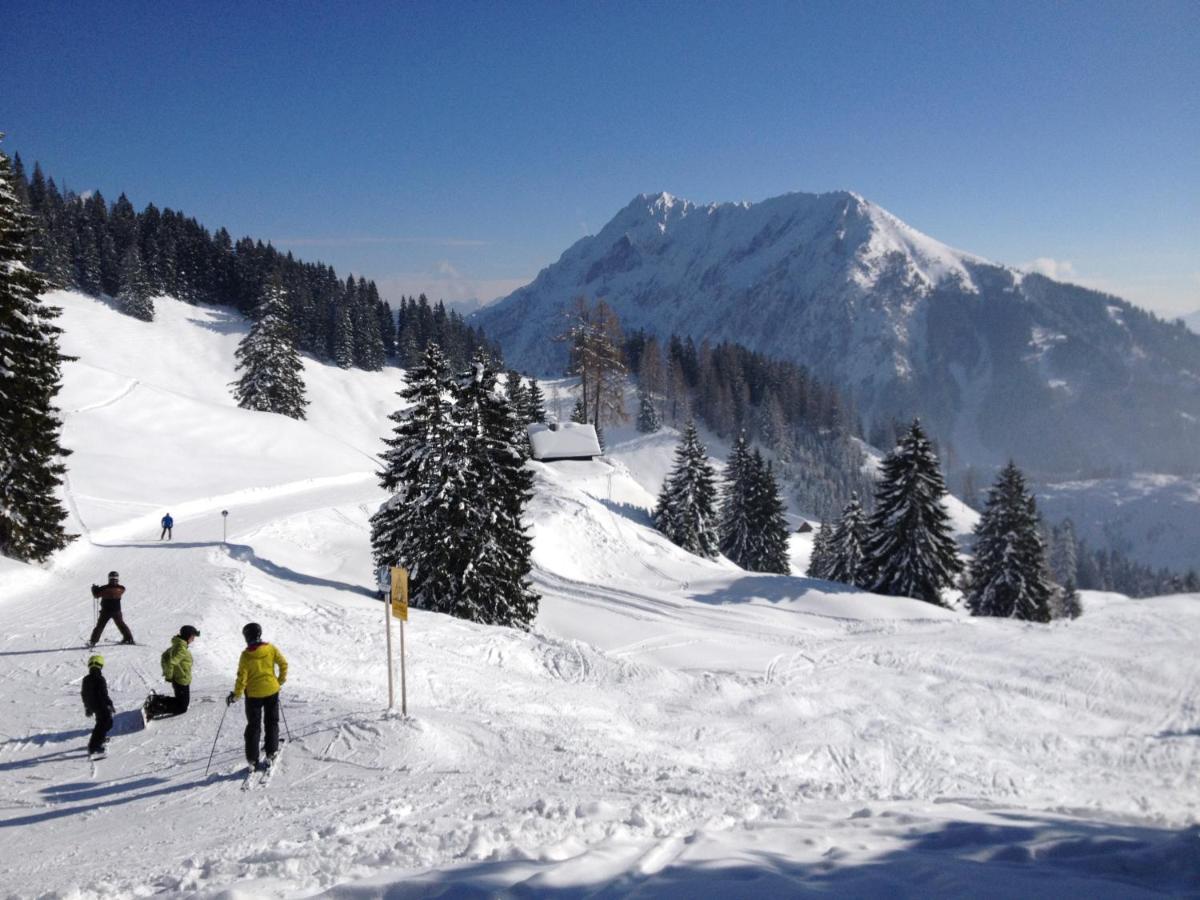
x=100 y=248
x=1098 y=569
x=808 y=425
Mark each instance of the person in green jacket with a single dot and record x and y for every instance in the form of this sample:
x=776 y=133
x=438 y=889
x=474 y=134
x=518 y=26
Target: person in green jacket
x=177 y=670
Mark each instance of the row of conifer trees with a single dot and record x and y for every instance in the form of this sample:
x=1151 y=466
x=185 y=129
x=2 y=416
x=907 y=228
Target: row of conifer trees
x=905 y=548
x=745 y=522
x=100 y=248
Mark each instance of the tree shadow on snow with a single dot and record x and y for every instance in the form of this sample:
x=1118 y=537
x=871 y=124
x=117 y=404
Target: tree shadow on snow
x=1032 y=857
x=245 y=553
x=773 y=589
x=639 y=515
x=1194 y=732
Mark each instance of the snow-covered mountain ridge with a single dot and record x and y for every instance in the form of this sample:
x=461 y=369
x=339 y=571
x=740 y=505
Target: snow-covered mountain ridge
x=673 y=727
x=1000 y=362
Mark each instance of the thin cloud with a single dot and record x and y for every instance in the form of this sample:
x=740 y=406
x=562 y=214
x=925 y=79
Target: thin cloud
x=362 y=240
x=1058 y=269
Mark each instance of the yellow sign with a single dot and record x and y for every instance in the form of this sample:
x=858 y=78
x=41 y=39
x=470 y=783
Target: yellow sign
x=400 y=593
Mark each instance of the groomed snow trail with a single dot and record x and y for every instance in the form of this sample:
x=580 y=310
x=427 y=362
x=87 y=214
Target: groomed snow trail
x=673 y=727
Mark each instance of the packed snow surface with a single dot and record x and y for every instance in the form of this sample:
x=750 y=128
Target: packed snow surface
x=671 y=727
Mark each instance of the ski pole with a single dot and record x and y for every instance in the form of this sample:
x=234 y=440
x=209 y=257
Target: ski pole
x=285 y=724
x=214 y=749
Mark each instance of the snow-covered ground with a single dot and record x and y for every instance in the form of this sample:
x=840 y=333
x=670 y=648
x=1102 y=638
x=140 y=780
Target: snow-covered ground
x=672 y=727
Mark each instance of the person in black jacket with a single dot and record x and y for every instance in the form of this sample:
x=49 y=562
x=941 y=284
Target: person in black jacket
x=96 y=702
x=110 y=609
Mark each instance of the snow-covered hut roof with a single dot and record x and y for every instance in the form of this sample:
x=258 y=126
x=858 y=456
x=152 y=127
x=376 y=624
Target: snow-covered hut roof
x=569 y=441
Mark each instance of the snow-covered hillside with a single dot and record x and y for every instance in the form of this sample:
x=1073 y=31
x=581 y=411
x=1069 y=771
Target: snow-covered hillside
x=672 y=726
x=1000 y=363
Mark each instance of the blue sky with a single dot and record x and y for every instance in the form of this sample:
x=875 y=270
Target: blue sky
x=459 y=148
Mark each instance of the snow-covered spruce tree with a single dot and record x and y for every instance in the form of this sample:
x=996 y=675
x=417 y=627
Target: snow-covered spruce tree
x=535 y=404
x=343 y=336
x=422 y=469
x=493 y=549
x=577 y=414
x=1064 y=552
x=910 y=551
x=518 y=394
x=737 y=530
x=1072 y=606
x=767 y=513
x=648 y=420
x=31 y=470
x=846 y=544
x=821 y=559
x=272 y=373
x=686 y=509
x=133 y=297
x=1008 y=573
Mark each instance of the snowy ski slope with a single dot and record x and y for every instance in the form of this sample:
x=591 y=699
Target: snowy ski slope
x=672 y=727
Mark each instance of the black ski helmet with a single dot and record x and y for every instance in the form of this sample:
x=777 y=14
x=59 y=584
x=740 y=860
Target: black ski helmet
x=113 y=576
x=252 y=632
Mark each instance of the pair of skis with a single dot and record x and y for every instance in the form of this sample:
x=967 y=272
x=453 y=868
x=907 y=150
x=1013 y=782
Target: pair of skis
x=261 y=777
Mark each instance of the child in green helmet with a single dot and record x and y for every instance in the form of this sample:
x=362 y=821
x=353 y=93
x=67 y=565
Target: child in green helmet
x=96 y=702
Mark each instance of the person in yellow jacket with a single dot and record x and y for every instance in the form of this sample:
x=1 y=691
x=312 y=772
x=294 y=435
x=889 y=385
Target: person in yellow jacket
x=262 y=670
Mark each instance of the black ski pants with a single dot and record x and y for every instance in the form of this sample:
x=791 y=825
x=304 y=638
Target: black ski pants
x=258 y=708
x=162 y=706
x=111 y=614
x=104 y=724
x=166 y=533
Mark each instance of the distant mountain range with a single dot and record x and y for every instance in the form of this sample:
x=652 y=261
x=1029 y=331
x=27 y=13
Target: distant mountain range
x=1001 y=363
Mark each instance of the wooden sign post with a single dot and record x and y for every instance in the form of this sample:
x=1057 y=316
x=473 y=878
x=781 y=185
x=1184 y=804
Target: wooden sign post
x=398 y=607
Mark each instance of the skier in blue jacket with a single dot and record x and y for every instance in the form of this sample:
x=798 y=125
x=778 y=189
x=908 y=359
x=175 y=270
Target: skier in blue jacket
x=167 y=524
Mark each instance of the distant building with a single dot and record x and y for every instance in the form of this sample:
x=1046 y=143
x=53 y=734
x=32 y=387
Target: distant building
x=804 y=528
x=564 y=441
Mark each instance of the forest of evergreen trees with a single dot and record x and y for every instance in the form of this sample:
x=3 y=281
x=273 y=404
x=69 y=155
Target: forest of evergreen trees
x=99 y=248
x=807 y=424
x=1097 y=569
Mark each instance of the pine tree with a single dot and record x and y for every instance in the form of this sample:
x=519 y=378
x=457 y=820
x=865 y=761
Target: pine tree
x=578 y=415
x=686 y=511
x=273 y=373
x=31 y=470
x=1072 y=606
x=737 y=529
x=768 y=515
x=133 y=296
x=1064 y=552
x=422 y=469
x=535 y=404
x=518 y=395
x=847 y=543
x=494 y=558
x=343 y=336
x=1008 y=573
x=910 y=551
x=648 y=420
x=821 y=559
